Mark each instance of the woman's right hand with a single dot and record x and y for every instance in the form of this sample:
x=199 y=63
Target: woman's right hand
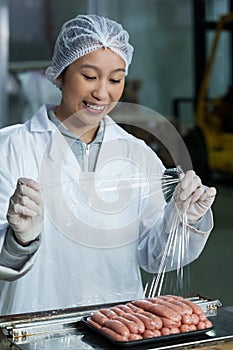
x=25 y=211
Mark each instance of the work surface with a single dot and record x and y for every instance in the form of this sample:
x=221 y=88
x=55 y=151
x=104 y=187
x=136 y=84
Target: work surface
x=63 y=329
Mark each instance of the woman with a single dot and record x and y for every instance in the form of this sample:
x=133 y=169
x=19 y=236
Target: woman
x=79 y=214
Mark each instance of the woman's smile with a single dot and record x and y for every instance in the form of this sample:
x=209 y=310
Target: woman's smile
x=95 y=109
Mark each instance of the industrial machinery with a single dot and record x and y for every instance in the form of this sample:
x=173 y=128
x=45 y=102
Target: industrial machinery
x=211 y=142
x=64 y=329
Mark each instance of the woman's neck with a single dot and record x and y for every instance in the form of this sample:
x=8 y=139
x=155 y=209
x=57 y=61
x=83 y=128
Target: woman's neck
x=86 y=133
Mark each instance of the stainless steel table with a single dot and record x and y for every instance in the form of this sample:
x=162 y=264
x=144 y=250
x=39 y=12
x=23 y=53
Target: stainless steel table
x=63 y=329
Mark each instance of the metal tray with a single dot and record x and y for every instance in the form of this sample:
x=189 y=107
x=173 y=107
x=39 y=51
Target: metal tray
x=147 y=340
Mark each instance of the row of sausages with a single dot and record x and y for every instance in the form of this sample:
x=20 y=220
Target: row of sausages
x=149 y=318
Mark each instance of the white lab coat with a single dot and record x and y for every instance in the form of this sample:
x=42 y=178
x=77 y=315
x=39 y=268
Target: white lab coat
x=96 y=235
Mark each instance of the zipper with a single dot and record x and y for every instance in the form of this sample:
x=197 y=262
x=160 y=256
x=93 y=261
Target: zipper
x=86 y=157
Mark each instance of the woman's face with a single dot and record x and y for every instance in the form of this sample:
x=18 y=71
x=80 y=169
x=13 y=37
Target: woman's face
x=91 y=86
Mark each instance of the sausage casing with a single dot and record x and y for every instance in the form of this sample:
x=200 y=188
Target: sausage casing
x=156 y=319
x=135 y=337
x=113 y=335
x=140 y=324
x=161 y=310
x=148 y=322
x=125 y=308
x=99 y=318
x=108 y=313
x=168 y=323
x=93 y=323
x=117 y=327
x=132 y=326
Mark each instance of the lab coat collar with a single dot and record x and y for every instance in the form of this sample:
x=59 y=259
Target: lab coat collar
x=40 y=121
x=114 y=131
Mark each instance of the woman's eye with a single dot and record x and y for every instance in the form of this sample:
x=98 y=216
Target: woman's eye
x=88 y=77
x=115 y=81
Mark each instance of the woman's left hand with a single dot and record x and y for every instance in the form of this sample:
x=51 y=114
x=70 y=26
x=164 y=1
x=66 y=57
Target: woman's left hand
x=192 y=197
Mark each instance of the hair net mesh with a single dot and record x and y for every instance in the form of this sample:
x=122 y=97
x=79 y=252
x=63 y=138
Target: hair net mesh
x=85 y=34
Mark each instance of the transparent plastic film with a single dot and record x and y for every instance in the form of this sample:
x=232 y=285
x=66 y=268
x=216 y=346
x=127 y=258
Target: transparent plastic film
x=114 y=206
x=170 y=279
x=173 y=275
x=109 y=208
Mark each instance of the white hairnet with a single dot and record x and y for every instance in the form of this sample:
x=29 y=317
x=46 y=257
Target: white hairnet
x=85 y=34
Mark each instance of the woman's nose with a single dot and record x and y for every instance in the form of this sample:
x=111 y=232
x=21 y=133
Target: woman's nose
x=100 y=91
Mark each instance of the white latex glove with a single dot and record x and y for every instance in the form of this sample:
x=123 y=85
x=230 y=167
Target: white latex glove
x=192 y=197
x=25 y=212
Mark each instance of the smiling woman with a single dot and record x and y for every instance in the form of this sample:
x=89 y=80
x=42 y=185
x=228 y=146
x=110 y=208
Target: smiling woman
x=91 y=86
x=82 y=204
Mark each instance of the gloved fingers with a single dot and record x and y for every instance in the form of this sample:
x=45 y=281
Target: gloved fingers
x=193 y=198
x=197 y=194
x=185 y=204
x=29 y=189
x=29 y=182
x=20 y=209
x=208 y=194
x=24 y=192
x=188 y=185
x=189 y=182
x=187 y=178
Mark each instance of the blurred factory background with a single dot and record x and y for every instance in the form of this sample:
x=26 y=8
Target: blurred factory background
x=182 y=68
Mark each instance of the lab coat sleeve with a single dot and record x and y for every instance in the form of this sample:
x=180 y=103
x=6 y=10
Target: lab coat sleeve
x=8 y=273
x=13 y=254
x=9 y=173
x=153 y=244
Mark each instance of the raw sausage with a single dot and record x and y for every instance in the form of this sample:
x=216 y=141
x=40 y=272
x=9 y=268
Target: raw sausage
x=174 y=330
x=132 y=326
x=167 y=323
x=187 y=319
x=148 y=334
x=135 y=337
x=165 y=331
x=148 y=318
x=151 y=334
x=99 y=318
x=172 y=306
x=117 y=327
x=202 y=317
x=108 y=313
x=113 y=335
x=208 y=324
x=143 y=304
x=149 y=323
x=161 y=310
x=156 y=319
x=157 y=333
x=93 y=323
x=185 y=328
x=154 y=300
x=134 y=308
x=195 y=319
x=140 y=324
x=196 y=308
x=117 y=311
x=184 y=308
x=125 y=308
x=201 y=325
